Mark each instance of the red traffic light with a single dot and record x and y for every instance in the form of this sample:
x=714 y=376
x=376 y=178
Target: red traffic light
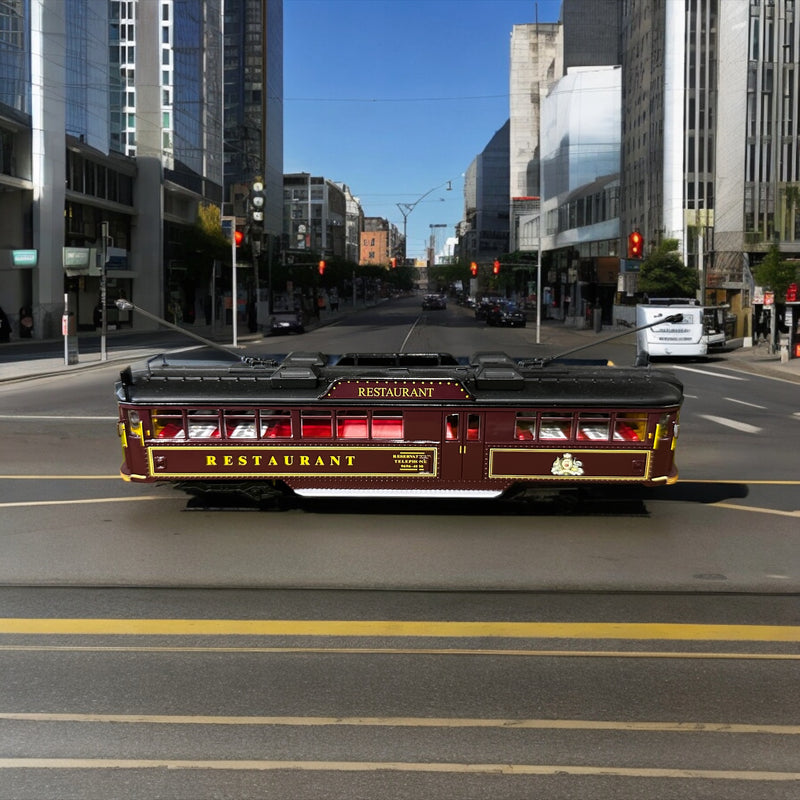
x=635 y=245
x=321 y=267
x=238 y=238
x=394 y=262
x=473 y=268
x=496 y=267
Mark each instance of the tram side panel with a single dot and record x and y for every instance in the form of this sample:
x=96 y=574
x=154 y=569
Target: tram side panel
x=564 y=446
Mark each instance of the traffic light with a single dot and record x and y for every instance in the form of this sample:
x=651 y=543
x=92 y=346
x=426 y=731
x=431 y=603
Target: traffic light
x=257 y=202
x=473 y=268
x=321 y=267
x=238 y=237
x=496 y=267
x=635 y=245
x=393 y=262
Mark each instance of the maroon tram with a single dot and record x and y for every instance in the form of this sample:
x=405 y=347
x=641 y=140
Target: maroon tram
x=396 y=424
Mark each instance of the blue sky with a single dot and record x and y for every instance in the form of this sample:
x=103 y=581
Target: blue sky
x=396 y=97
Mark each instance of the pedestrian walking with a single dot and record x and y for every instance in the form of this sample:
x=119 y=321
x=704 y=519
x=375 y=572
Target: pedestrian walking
x=25 y=323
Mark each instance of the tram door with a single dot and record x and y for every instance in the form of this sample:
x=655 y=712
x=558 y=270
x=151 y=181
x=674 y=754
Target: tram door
x=462 y=446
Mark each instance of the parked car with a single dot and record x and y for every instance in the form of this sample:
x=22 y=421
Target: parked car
x=434 y=302
x=286 y=322
x=506 y=315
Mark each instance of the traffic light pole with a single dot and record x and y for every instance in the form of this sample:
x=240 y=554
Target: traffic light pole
x=234 y=289
x=225 y=222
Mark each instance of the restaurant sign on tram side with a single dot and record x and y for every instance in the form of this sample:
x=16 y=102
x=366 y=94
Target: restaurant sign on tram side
x=397 y=390
x=319 y=462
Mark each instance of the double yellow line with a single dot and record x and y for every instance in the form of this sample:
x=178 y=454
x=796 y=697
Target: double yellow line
x=632 y=631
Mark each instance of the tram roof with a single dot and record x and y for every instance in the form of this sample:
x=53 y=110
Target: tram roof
x=491 y=378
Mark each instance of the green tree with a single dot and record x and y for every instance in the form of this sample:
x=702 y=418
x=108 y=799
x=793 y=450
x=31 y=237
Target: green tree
x=663 y=273
x=775 y=273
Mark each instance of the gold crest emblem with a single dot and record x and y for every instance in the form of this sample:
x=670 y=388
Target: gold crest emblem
x=567 y=465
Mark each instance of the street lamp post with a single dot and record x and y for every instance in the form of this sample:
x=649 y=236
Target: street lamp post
x=407 y=208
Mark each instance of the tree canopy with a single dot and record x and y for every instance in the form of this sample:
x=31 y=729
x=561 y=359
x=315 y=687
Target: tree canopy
x=775 y=273
x=663 y=273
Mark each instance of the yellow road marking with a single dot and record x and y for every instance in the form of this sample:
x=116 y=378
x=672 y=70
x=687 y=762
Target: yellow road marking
x=396 y=766
x=402 y=628
x=412 y=722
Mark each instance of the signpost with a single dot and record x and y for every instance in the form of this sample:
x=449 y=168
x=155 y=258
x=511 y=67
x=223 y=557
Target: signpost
x=229 y=229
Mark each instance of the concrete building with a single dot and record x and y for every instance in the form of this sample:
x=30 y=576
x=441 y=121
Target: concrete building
x=591 y=33
x=711 y=100
x=124 y=99
x=253 y=120
x=580 y=202
x=483 y=233
x=354 y=224
x=536 y=54
x=379 y=242
x=315 y=213
x=754 y=127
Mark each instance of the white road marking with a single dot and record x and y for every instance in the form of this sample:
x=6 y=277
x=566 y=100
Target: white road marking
x=743 y=403
x=731 y=423
x=88 y=501
x=398 y=766
x=666 y=726
x=707 y=372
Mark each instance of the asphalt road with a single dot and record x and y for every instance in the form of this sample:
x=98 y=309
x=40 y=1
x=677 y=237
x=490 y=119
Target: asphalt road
x=399 y=650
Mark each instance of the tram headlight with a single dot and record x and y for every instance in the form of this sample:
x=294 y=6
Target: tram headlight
x=135 y=424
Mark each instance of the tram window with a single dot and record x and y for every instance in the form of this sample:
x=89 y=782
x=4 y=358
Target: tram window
x=555 y=426
x=316 y=425
x=525 y=427
x=240 y=424
x=203 y=423
x=387 y=426
x=594 y=427
x=351 y=425
x=473 y=427
x=168 y=424
x=275 y=423
x=451 y=426
x=630 y=427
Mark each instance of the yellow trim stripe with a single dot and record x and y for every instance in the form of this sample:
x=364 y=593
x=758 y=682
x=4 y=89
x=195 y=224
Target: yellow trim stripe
x=402 y=628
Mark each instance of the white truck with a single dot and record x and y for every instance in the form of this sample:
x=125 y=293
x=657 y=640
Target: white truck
x=701 y=328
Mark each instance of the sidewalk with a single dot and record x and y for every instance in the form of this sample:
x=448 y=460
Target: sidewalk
x=15 y=367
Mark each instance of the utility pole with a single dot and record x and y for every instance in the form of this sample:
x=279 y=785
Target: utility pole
x=103 y=290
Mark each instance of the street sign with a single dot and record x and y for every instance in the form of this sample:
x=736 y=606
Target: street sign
x=24 y=258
